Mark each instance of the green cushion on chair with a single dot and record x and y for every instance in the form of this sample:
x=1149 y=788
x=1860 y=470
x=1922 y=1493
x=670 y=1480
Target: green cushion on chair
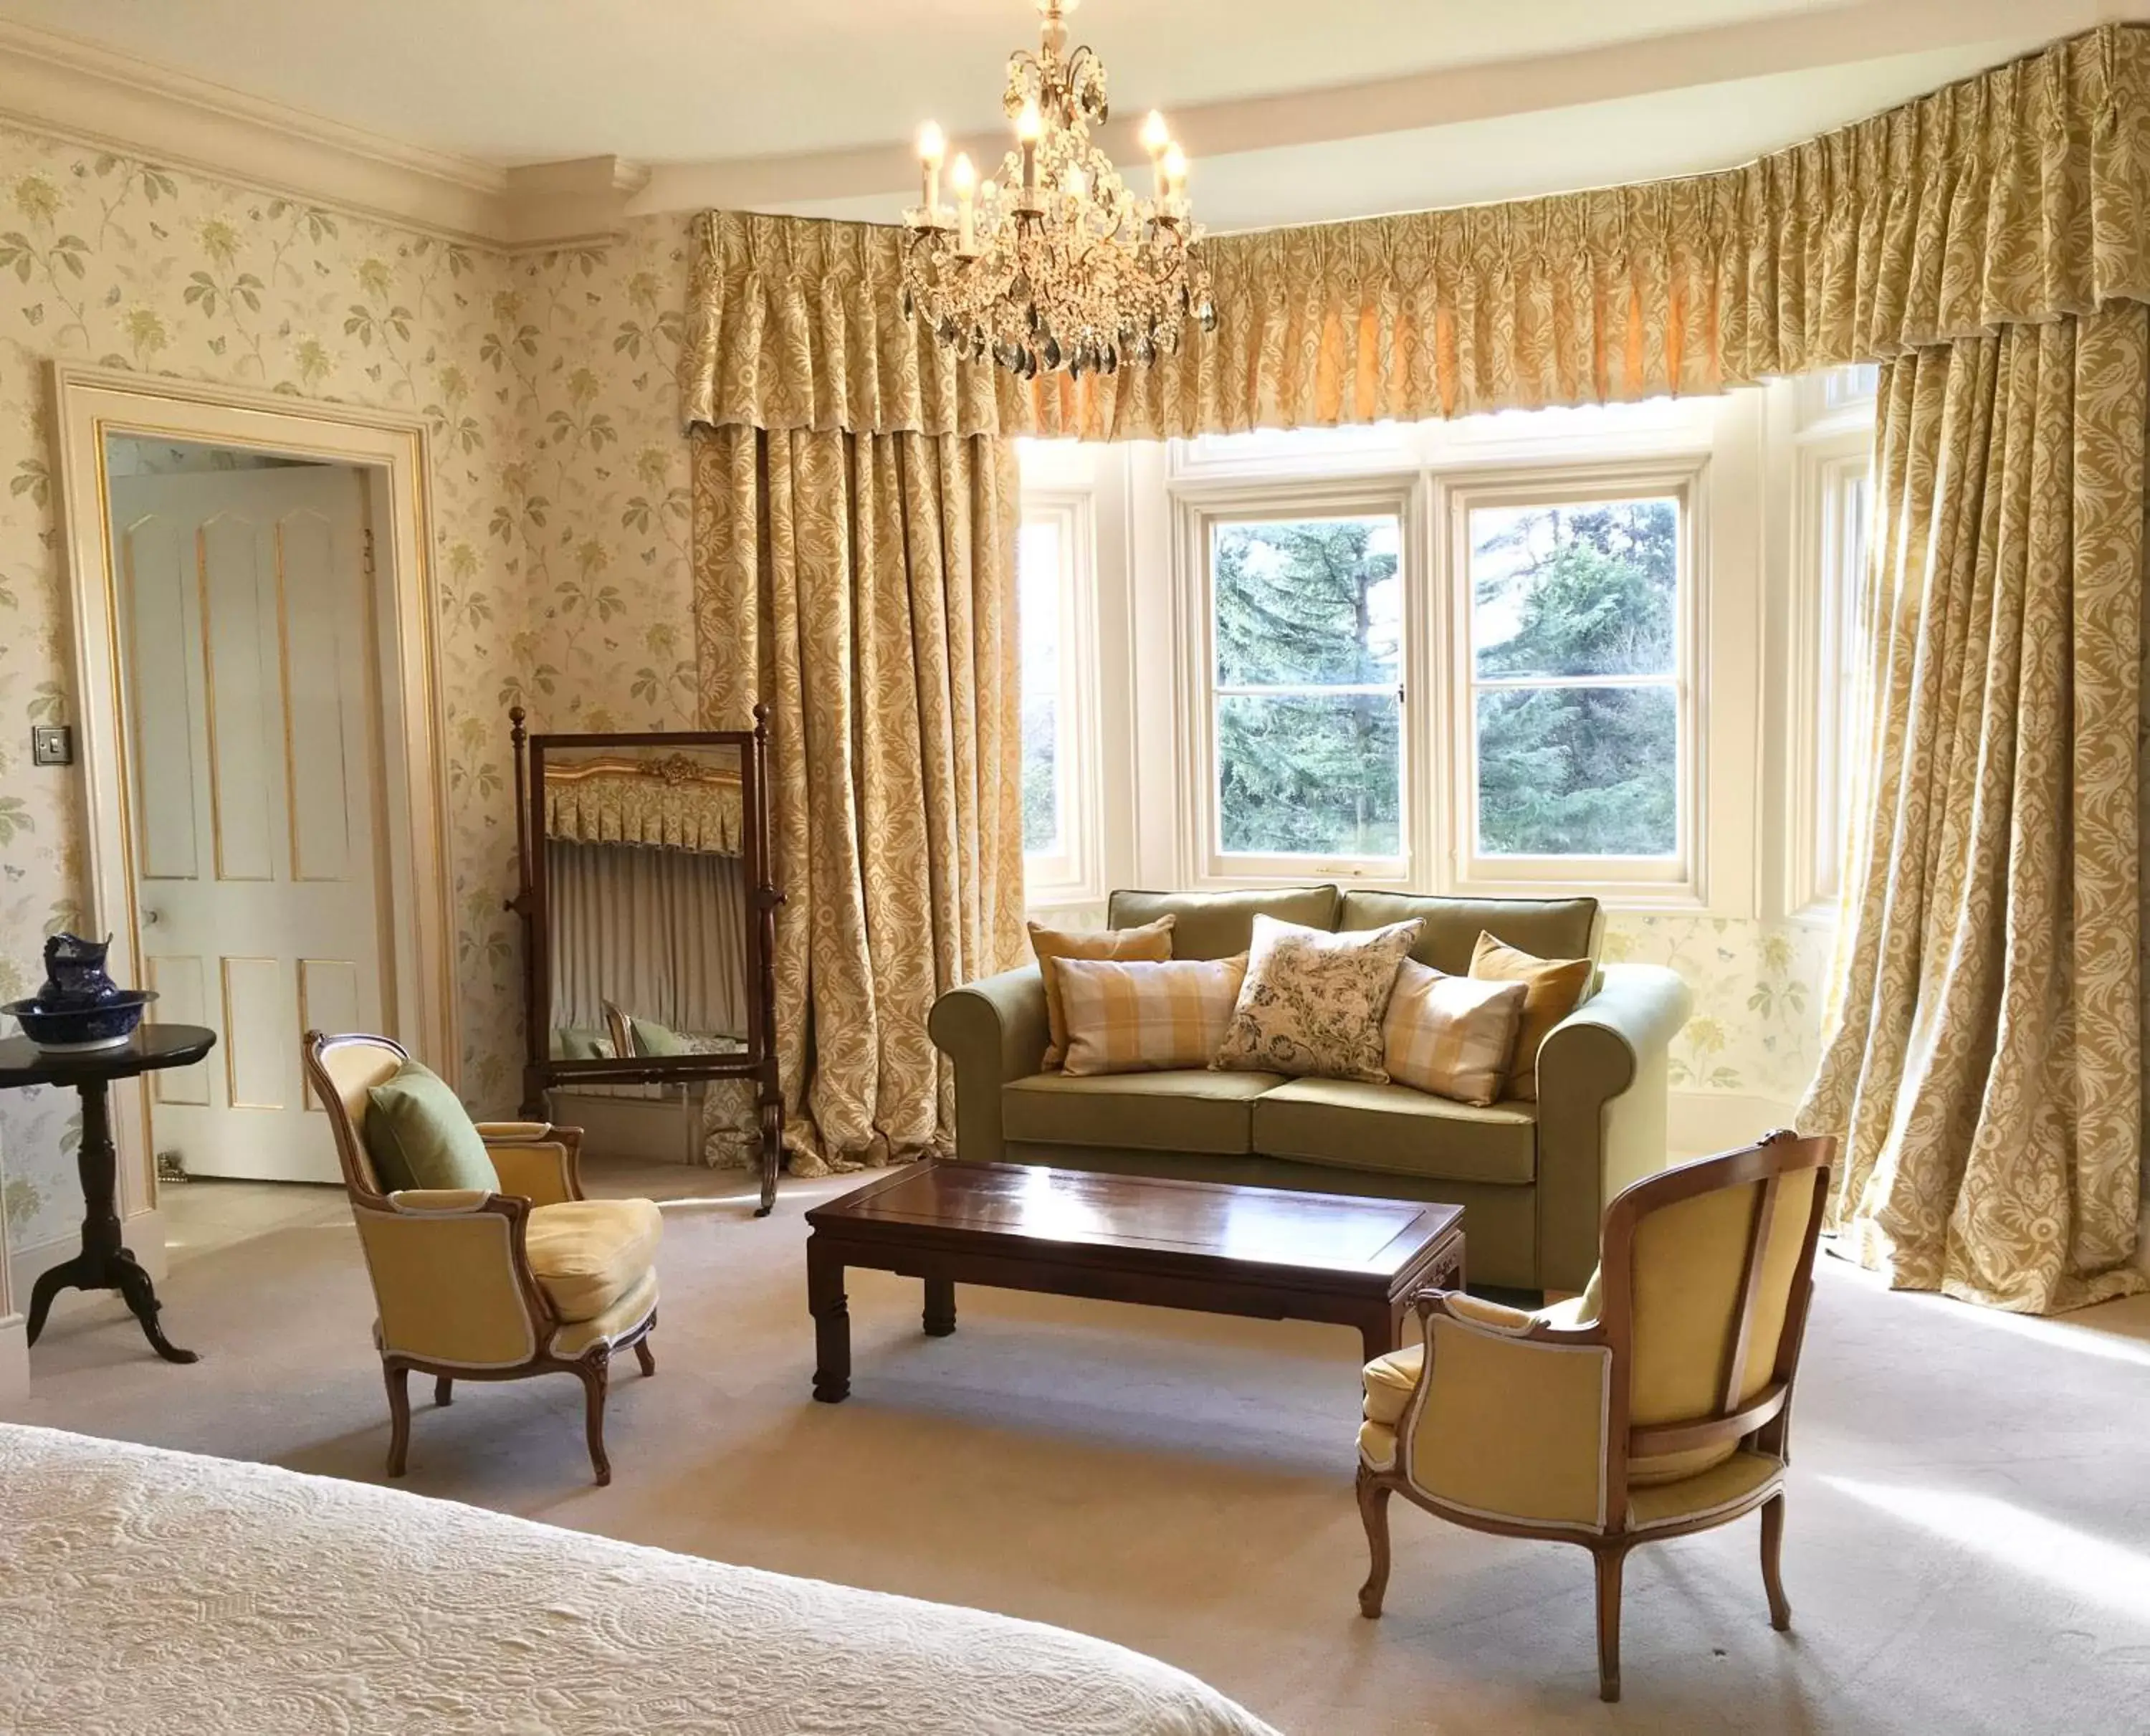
x=419 y=1135
x=651 y=1038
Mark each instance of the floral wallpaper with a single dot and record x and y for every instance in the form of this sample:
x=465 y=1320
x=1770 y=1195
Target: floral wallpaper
x=1756 y=1028
x=596 y=513
x=537 y=470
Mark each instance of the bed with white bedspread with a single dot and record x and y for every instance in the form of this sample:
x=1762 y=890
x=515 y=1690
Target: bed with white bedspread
x=142 y=1590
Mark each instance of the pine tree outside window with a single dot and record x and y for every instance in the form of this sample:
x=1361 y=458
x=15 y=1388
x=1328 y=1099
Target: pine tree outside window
x=1306 y=626
x=1572 y=726
x=1575 y=664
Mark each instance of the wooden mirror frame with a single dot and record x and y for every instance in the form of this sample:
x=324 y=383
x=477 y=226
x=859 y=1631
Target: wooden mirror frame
x=541 y=1070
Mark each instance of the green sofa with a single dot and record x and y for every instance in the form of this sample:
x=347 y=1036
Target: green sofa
x=1533 y=1178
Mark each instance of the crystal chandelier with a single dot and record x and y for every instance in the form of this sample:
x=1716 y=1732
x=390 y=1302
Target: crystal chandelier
x=1052 y=264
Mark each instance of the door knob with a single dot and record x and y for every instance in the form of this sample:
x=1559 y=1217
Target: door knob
x=150 y=919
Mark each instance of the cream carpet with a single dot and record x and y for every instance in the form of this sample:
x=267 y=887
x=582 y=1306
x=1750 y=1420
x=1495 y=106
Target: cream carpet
x=1968 y=1546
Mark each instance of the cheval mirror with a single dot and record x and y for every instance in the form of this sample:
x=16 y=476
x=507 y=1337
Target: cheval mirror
x=649 y=938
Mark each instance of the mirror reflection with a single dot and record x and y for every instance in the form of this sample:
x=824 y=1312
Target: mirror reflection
x=646 y=902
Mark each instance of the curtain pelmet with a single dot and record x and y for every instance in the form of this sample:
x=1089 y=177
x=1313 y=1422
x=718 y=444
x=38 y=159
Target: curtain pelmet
x=2020 y=195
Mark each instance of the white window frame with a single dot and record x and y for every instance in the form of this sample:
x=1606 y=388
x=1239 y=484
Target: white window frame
x=1075 y=872
x=1821 y=771
x=1678 y=881
x=1199 y=510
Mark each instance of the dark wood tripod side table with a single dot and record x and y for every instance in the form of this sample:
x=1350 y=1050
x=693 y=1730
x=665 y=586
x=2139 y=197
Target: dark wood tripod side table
x=104 y=1263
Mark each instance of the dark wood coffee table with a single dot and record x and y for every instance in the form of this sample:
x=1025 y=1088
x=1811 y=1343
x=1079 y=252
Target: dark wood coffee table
x=1258 y=1251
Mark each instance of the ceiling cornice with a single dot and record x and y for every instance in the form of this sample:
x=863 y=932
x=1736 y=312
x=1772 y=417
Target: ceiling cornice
x=83 y=91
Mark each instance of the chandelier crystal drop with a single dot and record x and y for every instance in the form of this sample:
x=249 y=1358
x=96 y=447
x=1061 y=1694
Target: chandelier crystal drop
x=1052 y=264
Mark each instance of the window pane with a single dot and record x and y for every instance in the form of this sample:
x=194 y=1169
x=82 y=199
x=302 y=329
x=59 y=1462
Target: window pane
x=1319 y=776
x=1589 y=771
x=1587 y=589
x=1039 y=580
x=1312 y=603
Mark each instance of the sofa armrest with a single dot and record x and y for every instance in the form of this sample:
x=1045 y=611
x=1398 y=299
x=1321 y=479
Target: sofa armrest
x=991 y=1031
x=1602 y=1084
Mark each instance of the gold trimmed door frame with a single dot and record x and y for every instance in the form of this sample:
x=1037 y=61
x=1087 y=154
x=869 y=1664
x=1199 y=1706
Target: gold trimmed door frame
x=91 y=405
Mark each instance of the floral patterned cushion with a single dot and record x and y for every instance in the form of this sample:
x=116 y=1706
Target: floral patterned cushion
x=1313 y=1001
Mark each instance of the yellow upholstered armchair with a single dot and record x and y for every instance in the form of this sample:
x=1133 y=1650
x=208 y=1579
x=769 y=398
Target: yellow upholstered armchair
x=471 y=1285
x=1655 y=1404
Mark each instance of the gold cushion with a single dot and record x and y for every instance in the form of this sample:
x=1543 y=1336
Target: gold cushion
x=615 y=1323
x=1391 y=1379
x=587 y=1254
x=1127 y=1017
x=1553 y=988
x=1452 y=1036
x=1151 y=940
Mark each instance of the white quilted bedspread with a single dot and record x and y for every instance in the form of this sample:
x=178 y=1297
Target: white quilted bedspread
x=153 y=1592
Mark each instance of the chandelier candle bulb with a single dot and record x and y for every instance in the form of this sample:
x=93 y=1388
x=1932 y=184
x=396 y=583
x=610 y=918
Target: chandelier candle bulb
x=1029 y=129
x=1156 y=135
x=1174 y=164
x=931 y=149
x=963 y=179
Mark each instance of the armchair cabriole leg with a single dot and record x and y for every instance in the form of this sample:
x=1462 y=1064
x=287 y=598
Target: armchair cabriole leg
x=644 y=1356
x=398 y=1377
x=444 y=1389
x=1773 y=1544
x=1374 y=1510
x=596 y=1371
x=1610 y=1560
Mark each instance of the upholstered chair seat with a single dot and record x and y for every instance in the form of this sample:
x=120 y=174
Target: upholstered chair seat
x=586 y=1254
x=1656 y=1403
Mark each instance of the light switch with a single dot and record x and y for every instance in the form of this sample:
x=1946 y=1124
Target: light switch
x=52 y=744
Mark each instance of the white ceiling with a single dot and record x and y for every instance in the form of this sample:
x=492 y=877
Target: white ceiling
x=525 y=81
x=1295 y=110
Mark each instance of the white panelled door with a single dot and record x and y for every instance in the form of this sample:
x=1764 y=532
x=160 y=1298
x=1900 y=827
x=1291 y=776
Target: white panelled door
x=244 y=610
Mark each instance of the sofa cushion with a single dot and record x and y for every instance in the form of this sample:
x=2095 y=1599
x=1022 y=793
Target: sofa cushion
x=1452 y=1036
x=1129 y=1015
x=1151 y=940
x=1198 y=1111
x=1313 y=1001
x=1216 y=925
x=1357 y=1126
x=1552 y=989
x=1550 y=927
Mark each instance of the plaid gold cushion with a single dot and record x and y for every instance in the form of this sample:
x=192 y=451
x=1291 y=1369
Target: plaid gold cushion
x=1137 y=1017
x=1452 y=1036
x=1151 y=940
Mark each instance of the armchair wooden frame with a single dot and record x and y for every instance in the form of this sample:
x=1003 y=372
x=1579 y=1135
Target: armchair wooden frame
x=541 y=1164
x=1763 y=1420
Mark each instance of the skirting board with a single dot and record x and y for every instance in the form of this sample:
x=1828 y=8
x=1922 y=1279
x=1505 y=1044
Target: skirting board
x=14 y=1358
x=1700 y=1122
x=144 y=1233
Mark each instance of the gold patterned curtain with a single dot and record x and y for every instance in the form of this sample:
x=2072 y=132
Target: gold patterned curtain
x=2023 y=194
x=1983 y=1059
x=863 y=585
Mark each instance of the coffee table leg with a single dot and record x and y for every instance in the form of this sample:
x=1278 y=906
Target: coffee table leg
x=832 y=1323
x=940 y=1307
